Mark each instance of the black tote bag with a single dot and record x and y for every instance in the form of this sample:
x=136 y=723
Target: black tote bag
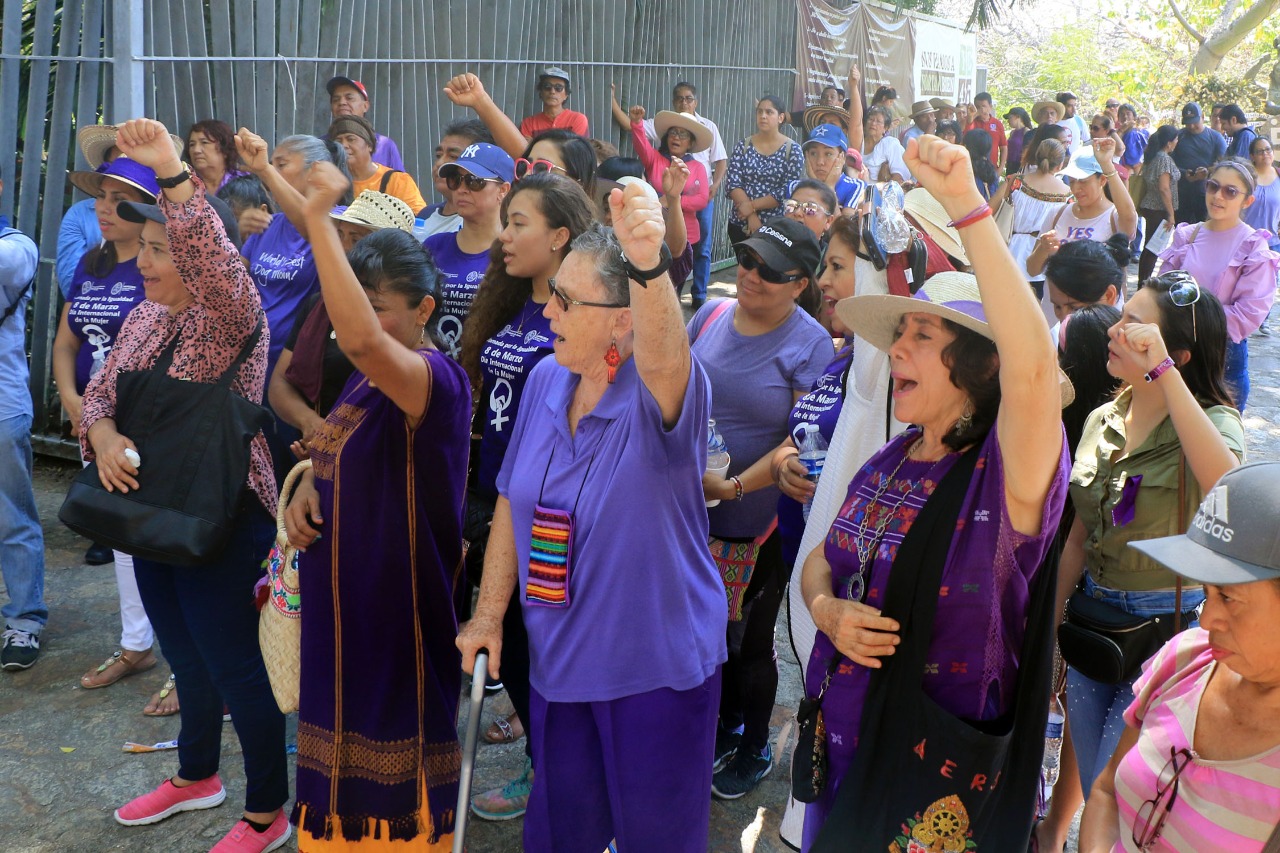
x=193 y=439
x=922 y=779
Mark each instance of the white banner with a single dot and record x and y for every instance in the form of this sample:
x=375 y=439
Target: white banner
x=946 y=60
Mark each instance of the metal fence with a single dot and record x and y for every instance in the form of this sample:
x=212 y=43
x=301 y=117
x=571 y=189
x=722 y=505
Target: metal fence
x=263 y=64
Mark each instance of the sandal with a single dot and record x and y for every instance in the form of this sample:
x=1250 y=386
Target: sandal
x=504 y=730
x=164 y=703
x=117 y=667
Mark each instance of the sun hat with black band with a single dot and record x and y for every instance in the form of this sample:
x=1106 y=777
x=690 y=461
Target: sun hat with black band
x=920 y=108
x=942 y=103
x=376 y=210
x=122 y=169
x=335 y=82
x=1058 y=110
x=952 y=296
x=132 y=211
x=357 y=125
x=785 y=244
x=667 y=119
x=96 y=140
x=1234 y=537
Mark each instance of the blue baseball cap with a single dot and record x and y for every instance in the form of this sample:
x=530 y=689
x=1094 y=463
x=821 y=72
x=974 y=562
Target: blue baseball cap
x=125 y=171
x=828 y=135
x=484 y=160
x=1083 y=164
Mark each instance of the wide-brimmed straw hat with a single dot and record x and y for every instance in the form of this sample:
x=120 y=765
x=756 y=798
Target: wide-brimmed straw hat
x=97 y=139
x=122 y=169
x=953 y=296
x=919 y=108
x=1040 y=106
x=942 y=103
x=928 y=213
x=667 y=119
x=376 y=210
x=819 y=114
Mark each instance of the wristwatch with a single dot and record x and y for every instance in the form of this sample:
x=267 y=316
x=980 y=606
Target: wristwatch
x=170 y=183
x=643 y=277
x=1159 y=370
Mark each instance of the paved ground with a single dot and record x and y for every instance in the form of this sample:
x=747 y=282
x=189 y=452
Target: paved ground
x=62 y=770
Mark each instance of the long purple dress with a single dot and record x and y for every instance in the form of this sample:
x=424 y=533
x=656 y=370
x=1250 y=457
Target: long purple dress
x=380 y=673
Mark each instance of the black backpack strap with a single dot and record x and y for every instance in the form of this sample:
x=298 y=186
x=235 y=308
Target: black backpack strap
x=386 y=179
x=13 y=309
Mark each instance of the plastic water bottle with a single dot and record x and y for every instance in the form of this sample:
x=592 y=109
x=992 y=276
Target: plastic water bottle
x=813 y=454
x=717 y=453
x=420 y=229
x=1053 y=743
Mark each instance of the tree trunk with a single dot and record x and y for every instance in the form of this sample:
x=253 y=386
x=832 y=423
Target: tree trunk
x=1225 y=35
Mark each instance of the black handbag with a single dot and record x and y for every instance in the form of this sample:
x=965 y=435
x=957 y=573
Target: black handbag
x=809 y=761
x=1109 y=645
x=193 y=439
x=923 y=779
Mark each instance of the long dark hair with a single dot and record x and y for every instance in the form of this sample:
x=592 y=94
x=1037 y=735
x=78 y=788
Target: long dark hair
x=1084 y=269
x=564 y=204
x=578 y=155
x=1164 y=134
x=222 y=135
x=975 y=369
x=1199 y=330
x=101 y=260
x=978 y=143
x=1083 y=357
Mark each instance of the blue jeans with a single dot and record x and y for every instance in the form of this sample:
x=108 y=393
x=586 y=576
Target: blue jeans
x=1236 y=372
x=21 y=537
x=1096 y=710
x=702 y=252
x=208 y=627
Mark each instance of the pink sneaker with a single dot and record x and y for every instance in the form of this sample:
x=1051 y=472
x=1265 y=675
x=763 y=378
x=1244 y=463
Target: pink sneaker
x=169 y=799
x=245 y=839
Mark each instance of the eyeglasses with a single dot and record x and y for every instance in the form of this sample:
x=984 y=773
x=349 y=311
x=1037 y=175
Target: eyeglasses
x=808 y=208
x=1097 y=128
x=552 y=87
x=679 y=133
x=457 y=178
x=685 y=99
x=750 y=261
x=525 y=167
x=1229 y=192
x=1183 y=291
x=1261 y=149
x=565 y=301
x=1152 y=814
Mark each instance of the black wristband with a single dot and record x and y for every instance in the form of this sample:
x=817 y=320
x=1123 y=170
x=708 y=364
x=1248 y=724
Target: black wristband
x=643 y=277
x=170 y=183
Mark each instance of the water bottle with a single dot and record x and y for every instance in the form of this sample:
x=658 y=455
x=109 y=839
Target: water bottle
x=717 y=454
x=1053 y=743
x=813 y=453
x=420 y=230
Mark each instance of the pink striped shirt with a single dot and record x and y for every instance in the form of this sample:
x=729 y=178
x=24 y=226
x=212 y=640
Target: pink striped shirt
x=1221 y=805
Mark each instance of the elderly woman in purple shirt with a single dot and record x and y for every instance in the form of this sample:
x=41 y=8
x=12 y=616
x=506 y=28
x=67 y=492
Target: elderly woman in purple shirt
x=954 y=380
x=600 y=529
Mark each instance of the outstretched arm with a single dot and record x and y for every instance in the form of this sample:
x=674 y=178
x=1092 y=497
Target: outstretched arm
x=257 y=159
x=466 y=90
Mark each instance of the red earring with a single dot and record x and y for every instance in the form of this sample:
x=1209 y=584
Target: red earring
x=613 y=358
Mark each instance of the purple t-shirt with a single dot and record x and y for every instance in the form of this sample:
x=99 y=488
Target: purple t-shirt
x=821 y=406
x=972 y=662
x=460 y=276
x=284 y=271
x=97 y=311
x=386 y=153
x=754 y=381
x=505 y=363
x=646 y=608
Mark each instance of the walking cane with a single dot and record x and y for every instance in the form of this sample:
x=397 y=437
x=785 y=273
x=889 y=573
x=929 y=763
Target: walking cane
x=479 y=674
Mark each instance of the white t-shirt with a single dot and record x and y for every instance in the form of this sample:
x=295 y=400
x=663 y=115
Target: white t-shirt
x=708 y=157
x=1077 y=132
x=887 y=150
x=438 y=223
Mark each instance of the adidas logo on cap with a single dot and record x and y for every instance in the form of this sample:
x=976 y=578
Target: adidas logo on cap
x=1212 y=517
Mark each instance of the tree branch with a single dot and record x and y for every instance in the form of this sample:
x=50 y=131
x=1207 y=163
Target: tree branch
x=1186 y=25
x=1220 y=43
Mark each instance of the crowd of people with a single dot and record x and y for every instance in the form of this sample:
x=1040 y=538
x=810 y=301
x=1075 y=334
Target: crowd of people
x=934 y=418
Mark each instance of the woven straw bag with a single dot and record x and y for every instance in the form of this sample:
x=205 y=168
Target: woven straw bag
x=280 y=624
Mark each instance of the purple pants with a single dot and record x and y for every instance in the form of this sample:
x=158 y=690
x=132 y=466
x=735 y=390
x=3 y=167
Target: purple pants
x=637 y=769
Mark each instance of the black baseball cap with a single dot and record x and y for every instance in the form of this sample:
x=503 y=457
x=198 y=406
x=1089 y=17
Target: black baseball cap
x=785 y=244
x=132 y=211
x=1234 y=537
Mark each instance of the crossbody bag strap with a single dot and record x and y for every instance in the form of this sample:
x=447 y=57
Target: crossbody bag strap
x=13 y=309
x=245 y=351
x=1182 y=529
x=711 y=318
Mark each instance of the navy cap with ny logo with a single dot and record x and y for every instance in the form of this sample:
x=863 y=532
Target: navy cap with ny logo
x=1234 y=537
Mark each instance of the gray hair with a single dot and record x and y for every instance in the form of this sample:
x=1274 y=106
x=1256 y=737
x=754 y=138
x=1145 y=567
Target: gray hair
x=602 y=247
x=312 y=149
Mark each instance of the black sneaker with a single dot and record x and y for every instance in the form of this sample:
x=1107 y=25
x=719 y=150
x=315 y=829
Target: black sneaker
x=727 y=741
x=20 y=650
x=98 y=555
x=742 y=774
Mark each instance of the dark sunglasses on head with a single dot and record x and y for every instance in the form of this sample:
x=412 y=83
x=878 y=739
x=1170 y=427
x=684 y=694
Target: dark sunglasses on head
x=1183 y=291
x=525 y=167
x=1229 y=192
x=750 y=261
x=457 y=178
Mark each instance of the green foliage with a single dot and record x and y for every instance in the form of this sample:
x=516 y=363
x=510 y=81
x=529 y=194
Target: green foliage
x=1212 y=89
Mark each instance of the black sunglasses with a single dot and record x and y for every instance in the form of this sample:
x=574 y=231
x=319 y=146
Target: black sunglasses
x=553 y=87
x=750 y=261
x=457 y=178
x=1152 y=814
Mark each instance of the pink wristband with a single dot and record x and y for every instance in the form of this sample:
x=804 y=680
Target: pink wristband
x=1159 y=370
x=982 y=211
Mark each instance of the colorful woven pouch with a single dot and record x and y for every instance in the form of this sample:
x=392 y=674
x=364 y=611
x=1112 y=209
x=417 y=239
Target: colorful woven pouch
x=736 y=562
x=550 y=557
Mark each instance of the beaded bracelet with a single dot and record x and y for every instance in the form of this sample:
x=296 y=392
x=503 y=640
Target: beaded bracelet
x=737 y=488
x=982 y=211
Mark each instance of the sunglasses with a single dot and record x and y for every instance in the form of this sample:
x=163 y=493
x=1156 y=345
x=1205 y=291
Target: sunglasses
x=565 y=301
x=1183 y=291
x=1229 y=192
x=808 y=208
x=1152 y=814
x=553 y=87
x=526 y=167
x=1097 y=128
x=751 y=262
x=458 y=178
